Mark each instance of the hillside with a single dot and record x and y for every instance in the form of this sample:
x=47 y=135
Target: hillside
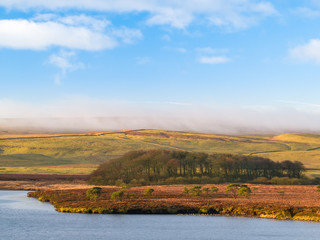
x=54 y=153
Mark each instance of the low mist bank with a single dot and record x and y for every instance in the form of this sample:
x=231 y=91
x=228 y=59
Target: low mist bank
x=86 y=115
x=79 y=125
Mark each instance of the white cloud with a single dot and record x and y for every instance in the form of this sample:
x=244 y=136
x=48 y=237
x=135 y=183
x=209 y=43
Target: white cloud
x=175 y=49
x=206 y=50
x=65 y=62
x=79 y=32
x=309 y=52
x=96 y=24
x=241 y=14
x=237 y=14
x=30 y=34
x=213 y=60
x=127 y=35
x=210 y=50
x=177 y=18
x=210 y=55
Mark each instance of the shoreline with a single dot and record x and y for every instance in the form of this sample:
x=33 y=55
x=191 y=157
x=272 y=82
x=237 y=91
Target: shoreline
x=171 y=200
x=298 y=202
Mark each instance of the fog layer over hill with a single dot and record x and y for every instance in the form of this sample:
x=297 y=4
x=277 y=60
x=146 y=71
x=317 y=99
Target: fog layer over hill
x=81 y=115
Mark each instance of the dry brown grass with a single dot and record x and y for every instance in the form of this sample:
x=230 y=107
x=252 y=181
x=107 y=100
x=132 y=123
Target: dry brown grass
x=42 y=185
x=297 y=196
x=278 y=202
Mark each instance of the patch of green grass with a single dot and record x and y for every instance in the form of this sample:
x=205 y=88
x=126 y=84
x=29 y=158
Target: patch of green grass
x=24 y=160
x=313 y=173
x=311 y=159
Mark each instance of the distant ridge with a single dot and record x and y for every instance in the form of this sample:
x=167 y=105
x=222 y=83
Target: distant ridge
x=98 y=124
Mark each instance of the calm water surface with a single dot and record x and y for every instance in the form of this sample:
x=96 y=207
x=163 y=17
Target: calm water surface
x=26 y=218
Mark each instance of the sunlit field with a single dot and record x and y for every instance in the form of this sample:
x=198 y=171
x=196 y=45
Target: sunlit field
x=80 y=153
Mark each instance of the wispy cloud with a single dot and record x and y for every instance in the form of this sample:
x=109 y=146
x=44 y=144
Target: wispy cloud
x=179 y=13
x=306 y=12
x=66 y=62
x=298 y=104
x=176 y=49
x=213 y=60
x=95 y=23
x=181 y=50
x=127 y=35
x=209 y=55
x=309 y=52
x=242 y=14
x=210 y=50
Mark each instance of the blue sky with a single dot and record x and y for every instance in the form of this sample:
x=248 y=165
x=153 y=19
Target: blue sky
x=221 y=64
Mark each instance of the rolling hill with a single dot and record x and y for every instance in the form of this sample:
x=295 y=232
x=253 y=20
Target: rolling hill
x=80 y=153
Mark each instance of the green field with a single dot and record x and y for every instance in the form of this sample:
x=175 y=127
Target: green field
x=40 y=153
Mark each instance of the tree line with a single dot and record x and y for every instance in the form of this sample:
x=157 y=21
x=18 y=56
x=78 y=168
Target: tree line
x=157 y=166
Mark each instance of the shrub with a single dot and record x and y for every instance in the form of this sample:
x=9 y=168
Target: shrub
x=117 y=195
x=318 y=188
x=195 y=191
x=286 y=181
x=185 y=190
x=180 y=180
x=233 y=189
x=43 y=199
x=170 y=180
x=214 y=189
x=244 y=190
x=93 y=193
x=119 y=183
x=217 y=180
x=196 y=179
x=261 y=180
x=148 y=191
x=206 y=180
x=134 y=182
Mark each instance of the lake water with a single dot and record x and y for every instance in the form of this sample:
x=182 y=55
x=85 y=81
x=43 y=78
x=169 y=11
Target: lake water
x=26 y=218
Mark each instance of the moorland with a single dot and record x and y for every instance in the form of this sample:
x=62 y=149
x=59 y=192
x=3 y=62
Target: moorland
x=58 y=166
x=82 y=153
x=266 y=201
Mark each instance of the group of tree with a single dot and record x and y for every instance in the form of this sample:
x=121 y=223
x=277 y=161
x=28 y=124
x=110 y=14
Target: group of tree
x=158 y=166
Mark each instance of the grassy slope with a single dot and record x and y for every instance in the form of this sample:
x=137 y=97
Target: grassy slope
x=33 y=151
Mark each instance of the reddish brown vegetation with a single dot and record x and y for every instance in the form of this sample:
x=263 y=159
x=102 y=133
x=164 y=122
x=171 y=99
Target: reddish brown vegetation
x=297 y=202
x=41 y=177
